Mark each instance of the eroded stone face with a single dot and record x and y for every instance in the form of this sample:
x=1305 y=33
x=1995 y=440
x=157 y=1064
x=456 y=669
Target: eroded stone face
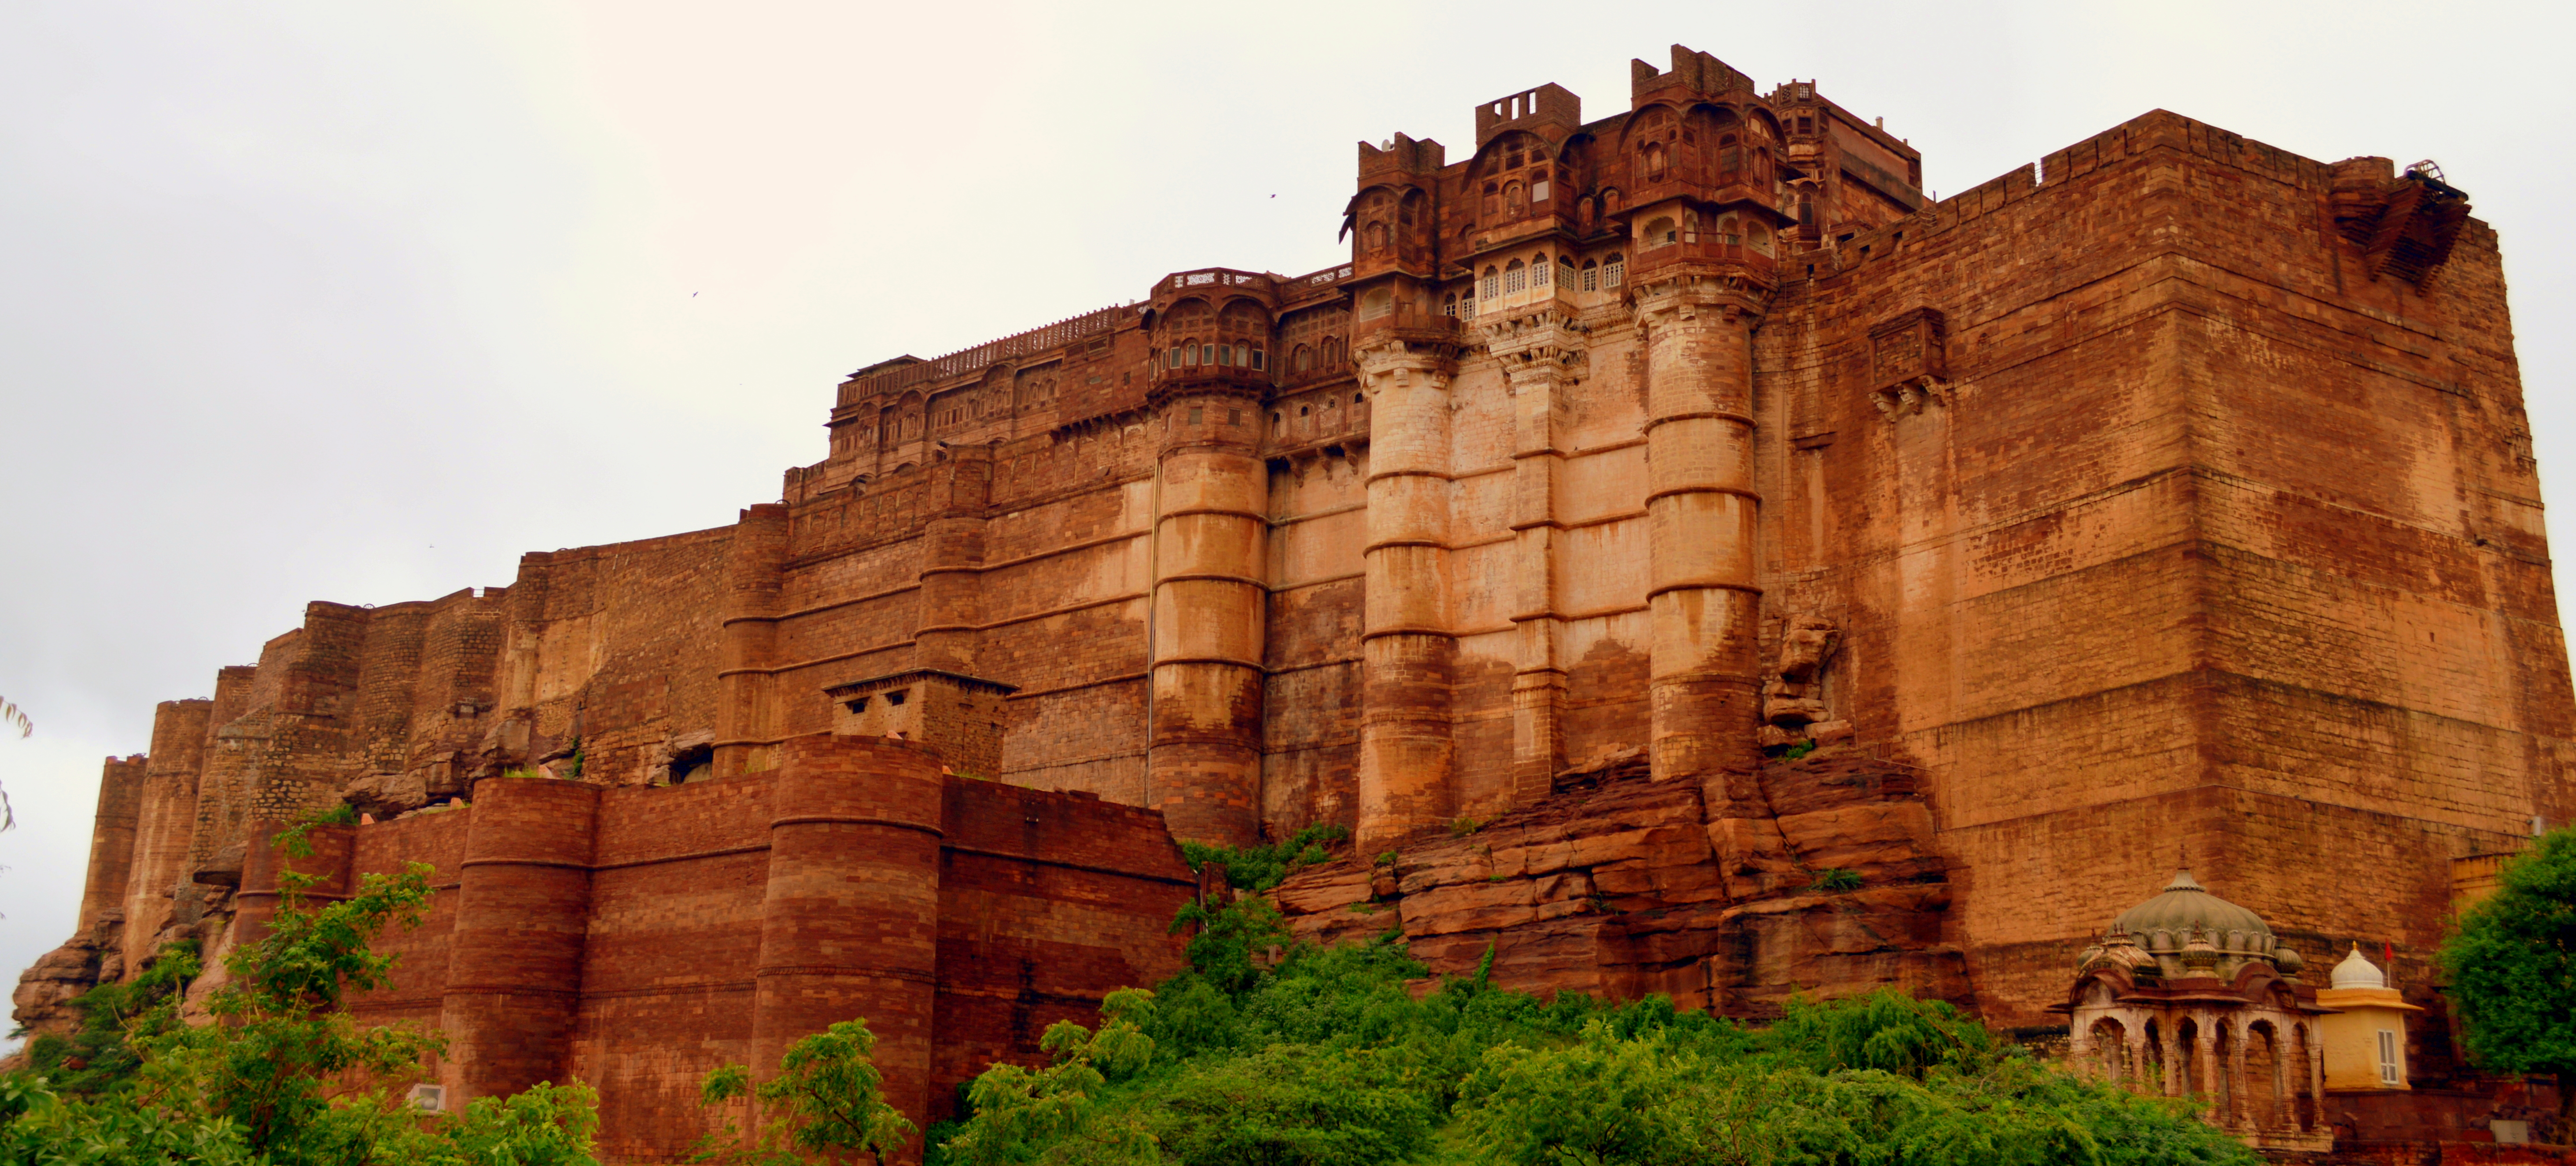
x=2174 y=494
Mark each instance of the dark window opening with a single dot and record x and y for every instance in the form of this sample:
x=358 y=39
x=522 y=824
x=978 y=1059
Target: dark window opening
x=693 y=764
x=895 y=698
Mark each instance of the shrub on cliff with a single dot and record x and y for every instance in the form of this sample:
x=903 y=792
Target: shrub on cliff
x=2513 y=969
x=827 y=1099
x=1331 y=1056
x=283 y=1078
x=1262 y=867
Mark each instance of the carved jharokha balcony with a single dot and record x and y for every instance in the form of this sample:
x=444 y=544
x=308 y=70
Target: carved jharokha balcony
x=1709 y=248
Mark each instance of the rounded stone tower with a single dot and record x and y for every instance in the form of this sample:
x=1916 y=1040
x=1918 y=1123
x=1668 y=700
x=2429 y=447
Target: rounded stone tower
x=1211 y=332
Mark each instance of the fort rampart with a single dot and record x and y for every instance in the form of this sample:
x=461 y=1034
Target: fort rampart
x=2173 y=494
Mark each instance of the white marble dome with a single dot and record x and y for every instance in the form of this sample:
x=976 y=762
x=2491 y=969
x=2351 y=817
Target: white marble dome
x=2357 y=972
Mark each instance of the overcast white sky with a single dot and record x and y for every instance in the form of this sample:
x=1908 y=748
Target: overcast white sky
x=360 y=301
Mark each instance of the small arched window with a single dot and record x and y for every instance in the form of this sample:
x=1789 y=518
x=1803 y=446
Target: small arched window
x=1515 y=198
x=1515 y=277
x=1302 y=360
x=1374 y=235
x=1591 y=276
x=1449 y=304
x=1539 y=270
x=1565 y=271
x=1378 y=302
x=1190 y=354
x=1614 y=271
x=1654 y=161
x=1257 y=366
x=1493 y=284
x=1276 y=424
x=1610 y=201
x=1662 y=231
x=1759 y=238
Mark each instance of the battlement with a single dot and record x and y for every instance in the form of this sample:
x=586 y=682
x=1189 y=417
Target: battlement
x=903 y=372
x=1551 y=111
x=1404 y=155
x=1693 y=73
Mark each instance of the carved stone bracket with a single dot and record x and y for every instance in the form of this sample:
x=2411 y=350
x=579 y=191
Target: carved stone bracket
x=1907 y=369
x=1910 y=397
x=1545 y=345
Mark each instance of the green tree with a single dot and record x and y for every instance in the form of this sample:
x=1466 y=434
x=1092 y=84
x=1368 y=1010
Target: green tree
x=2512 y=966
x=283 y=1077
x=828 y=1098
x=1271 y=1052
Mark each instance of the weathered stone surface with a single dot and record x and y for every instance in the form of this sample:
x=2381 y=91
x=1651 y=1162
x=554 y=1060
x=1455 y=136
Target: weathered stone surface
x=387 y=794
x=2134 y=501
x=1618 y=887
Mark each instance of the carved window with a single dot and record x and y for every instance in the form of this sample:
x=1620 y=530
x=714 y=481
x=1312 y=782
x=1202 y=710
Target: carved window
x=1614 y=271
x=1591 y=276
x=1492 y=285
x=1538 y=270
x=1302 y=360
x=1654 y=161
x=1515 y=277
x=1515 y=198
x=1449 y=304
x=1375 y=236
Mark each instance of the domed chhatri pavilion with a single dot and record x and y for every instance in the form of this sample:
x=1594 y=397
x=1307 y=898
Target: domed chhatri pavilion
x=2189 y=994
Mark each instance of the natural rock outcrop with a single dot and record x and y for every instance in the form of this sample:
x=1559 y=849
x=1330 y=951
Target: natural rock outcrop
x=1616 y=885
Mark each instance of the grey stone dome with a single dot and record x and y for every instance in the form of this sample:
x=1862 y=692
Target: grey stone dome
x=2185 y=907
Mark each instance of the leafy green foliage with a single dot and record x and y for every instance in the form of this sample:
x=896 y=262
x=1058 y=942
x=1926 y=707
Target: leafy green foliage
x=828 y=1098
x=1259 y=868
x=2513 y=967
x=342 y=814
x=1799 y=750
x=1335 y=1056
x=99 y=1055
x=1838 y=879
x=283 y=1078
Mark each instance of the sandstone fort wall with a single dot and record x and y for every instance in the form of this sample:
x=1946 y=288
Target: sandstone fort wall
x=2170 y=500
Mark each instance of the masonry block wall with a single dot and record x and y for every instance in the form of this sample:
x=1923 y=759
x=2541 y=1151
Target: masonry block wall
x=2169 y=500
x=637 y=938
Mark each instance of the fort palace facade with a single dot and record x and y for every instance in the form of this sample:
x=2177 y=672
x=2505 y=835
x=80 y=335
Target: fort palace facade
x=1657 y=512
